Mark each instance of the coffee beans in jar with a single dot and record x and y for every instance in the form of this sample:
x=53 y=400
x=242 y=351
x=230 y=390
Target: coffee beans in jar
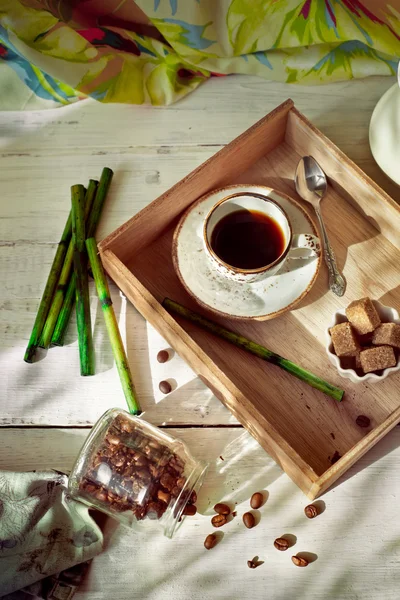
x=136 y=473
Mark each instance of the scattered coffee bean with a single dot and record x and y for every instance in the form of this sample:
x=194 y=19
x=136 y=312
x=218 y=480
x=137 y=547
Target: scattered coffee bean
x=299 y=561
x=256 y=500
x=251 y=564
x=222 y=509
x=219 y=520
x=281 y=544
x=363 y=421
x=189 y=510
x=164 y=387
x=336 y=456
x=249 y=520
x=210 y=541
x=311 y=511
x=163 y=356
x=193 y=498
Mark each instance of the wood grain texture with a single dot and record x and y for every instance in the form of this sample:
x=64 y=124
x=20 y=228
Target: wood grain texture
x=285 y=413
x=356 y=539
x=30 y=396
x=217 y=172
x=41 y=155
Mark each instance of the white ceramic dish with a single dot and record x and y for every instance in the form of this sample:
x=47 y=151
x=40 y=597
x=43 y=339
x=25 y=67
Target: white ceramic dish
x=384 y=133
x=260 y=300
x=387 y=314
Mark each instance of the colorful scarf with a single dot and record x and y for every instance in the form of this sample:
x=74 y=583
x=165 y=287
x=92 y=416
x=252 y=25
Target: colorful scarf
x=55 y=52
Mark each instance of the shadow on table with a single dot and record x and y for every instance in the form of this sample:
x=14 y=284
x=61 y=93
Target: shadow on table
x=387 y=445
x=228 y=482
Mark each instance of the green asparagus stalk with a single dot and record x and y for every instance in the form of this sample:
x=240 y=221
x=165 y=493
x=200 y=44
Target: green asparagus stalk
x=112 y=327
x=64 y=277
x=48 y=293
x=254 y=348
x=86 y=351
x=66 y=309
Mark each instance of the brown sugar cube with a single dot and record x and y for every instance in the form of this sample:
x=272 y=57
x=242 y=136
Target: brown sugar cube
x=378 y=358
x=363 y=316
x=344 y=341
x=387 y=334
x=357 y=361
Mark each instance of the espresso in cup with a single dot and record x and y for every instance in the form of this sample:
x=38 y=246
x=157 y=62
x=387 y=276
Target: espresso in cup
x=248 y=239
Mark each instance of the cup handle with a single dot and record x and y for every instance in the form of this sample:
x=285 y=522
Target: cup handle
x=305 y=245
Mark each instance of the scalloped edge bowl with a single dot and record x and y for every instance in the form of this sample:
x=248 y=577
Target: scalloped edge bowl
x=387 y=314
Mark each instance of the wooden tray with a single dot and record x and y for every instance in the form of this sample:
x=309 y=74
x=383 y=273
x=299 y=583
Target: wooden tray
x=302 y=429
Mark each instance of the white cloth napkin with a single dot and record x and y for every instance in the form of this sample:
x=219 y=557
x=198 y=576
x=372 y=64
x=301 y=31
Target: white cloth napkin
x=43 y=531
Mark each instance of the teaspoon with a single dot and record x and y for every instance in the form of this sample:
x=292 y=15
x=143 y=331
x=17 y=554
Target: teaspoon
x=311 y=185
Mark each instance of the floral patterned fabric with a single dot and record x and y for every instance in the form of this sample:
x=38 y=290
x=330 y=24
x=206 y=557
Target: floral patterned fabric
x=42 y=531
x=53 y=53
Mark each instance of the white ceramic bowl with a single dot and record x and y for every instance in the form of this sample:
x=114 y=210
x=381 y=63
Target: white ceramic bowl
x=387 y=314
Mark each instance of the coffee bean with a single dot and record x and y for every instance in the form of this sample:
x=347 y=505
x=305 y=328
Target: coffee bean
x=167 y=481
x=140 y=460
x=189 y=510
x=219 y=520
x=113 y=440
x=249 y=520
x=163 y=356
x=101 y=496
x=222 y=509
x=299 y=561
x=163 y=496
x=88 y=487
x=311 y=511
x=281 y=544
x=363 y=421
x=256 y=500
x=210 y=541
x=251 y=564
x=126 y=426
x=175 y=492
x=193 y=498
x=164 y=387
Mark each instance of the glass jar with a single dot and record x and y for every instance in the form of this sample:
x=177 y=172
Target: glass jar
x=135 y=472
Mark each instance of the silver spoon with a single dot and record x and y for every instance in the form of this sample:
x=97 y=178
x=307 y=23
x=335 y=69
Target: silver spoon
x=311 y=185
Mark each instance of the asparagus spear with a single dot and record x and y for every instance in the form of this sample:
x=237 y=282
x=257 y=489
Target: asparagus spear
x=66 y=309
x=48 y=293
x=254 y=348
x=86 y=351
x=112 y=327
x=64 y=276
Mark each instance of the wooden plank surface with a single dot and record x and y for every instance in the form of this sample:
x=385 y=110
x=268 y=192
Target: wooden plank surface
x=41 y=155
x=356 y=538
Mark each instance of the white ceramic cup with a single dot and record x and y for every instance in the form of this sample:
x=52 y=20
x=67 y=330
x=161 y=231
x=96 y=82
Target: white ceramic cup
x=296 y=245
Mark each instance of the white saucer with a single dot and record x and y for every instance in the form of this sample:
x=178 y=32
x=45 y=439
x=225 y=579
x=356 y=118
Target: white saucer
x=384 y=133
x=260 y=300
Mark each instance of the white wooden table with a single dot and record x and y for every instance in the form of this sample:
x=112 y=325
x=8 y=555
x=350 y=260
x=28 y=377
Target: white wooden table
x=47 y=408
